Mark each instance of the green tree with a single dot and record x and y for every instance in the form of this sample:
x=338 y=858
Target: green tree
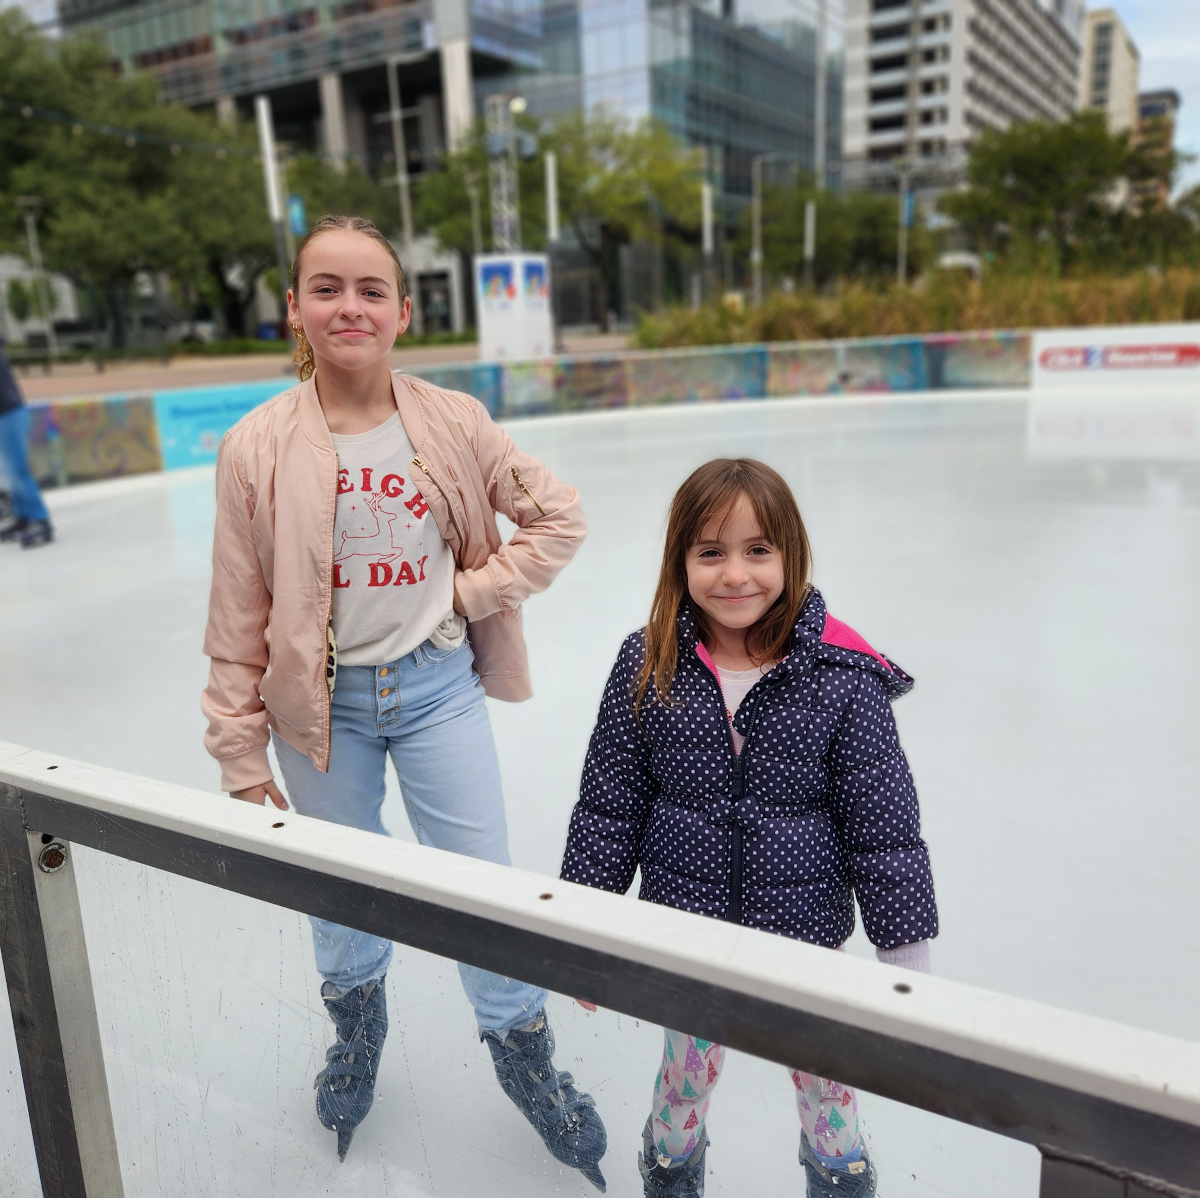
x=856 y=235
x=620 y=183
x=1047 y=188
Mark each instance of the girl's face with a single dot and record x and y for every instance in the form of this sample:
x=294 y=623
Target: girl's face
x=348 y=299
x=734 y=573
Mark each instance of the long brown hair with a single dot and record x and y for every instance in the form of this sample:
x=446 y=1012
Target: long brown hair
x=710 y=493
x=302 y=359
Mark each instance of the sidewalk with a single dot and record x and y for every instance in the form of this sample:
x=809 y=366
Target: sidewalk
x=81 y=378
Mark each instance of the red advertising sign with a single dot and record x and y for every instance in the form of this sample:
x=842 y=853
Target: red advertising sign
x=1180 y=356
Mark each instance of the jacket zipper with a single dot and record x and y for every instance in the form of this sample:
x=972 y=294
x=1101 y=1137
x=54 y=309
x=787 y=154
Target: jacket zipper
x=328 y=623
x=521 y=483
x=420 y=465
x=736 y=832
x=737 y=789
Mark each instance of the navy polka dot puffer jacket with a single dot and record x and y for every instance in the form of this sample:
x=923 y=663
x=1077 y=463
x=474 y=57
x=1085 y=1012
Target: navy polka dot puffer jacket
x=818 y=807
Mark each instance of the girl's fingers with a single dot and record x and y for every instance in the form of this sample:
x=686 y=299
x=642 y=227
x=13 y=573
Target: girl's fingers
x=276 y=796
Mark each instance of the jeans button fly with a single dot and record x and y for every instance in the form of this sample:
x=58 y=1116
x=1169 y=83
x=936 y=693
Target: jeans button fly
x=387 y=690
x=383 y=672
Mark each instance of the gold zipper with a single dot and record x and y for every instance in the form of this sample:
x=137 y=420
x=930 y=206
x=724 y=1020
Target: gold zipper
x=329 y=624
x=521 y=483
x=449 y=509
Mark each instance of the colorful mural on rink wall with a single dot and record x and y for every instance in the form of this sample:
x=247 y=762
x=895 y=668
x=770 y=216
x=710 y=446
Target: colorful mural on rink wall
x=79 y=440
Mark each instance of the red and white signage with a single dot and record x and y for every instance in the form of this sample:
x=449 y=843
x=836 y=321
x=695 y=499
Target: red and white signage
x=1118 y=356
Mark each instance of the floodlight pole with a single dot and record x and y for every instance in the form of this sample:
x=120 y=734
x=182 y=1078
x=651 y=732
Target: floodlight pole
x=266 y=149
x=756 y=250
x=903 y=178
x=820 y=150
x=400 y=153
x=502 y=173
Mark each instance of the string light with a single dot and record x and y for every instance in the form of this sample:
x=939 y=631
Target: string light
x=131 y=137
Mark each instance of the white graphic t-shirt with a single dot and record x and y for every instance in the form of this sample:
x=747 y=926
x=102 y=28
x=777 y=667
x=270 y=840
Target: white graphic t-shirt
x=393 y=574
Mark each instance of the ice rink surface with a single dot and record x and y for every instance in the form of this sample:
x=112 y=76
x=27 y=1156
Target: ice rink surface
x=1035 y=567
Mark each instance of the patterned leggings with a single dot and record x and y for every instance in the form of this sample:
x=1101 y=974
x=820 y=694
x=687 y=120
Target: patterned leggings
x=684 y=1086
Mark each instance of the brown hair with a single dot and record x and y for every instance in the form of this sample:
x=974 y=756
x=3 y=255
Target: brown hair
x=302 y=359
x=710 y=493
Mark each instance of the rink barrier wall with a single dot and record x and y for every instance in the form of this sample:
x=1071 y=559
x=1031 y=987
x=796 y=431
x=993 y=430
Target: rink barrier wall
x=92 y=437
x=1113 y=1110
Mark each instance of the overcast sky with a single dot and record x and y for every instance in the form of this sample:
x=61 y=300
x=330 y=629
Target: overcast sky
x=1167 y=33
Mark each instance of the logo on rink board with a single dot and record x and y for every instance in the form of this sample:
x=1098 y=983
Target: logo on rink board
x=1059 y=358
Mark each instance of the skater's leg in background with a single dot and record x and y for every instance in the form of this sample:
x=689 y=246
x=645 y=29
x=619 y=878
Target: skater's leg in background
x=689 y=1072
x=441 y=744
x=27 y=499
x=829 y=1115
x=351 y=793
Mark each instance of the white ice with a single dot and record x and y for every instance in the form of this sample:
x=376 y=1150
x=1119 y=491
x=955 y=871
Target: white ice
x=1037 y=575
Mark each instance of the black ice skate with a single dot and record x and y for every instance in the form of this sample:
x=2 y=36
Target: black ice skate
x=565 y=1119
x=346 y=1086
x=14 y=530
x=854 y=1181
x=680 y=1180
x=37 y=532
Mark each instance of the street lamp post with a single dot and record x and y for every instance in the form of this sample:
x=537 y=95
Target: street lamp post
x=266 y=147
x=30 y=206
x=756 y=247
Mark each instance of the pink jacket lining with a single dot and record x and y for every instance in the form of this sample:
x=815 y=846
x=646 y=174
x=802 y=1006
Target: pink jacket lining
x=836 y=633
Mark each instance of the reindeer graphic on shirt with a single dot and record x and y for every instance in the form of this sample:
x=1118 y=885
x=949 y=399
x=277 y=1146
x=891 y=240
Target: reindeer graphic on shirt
x=372 y=536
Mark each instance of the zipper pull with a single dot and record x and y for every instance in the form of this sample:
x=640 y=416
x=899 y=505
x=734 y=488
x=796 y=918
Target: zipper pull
x=420 y=465
x=738 y=785
x=521 y=483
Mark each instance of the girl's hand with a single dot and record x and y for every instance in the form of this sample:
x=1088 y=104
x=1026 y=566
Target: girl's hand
x=587 y=1006
x=260 y=794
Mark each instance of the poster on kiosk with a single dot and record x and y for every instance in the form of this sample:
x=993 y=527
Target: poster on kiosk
x=513 y=296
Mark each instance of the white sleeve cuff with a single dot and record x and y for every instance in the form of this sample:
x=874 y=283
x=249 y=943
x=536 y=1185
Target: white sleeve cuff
x=907 y=956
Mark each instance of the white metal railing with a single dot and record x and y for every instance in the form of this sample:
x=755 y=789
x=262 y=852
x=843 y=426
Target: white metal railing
x=1110 y=1107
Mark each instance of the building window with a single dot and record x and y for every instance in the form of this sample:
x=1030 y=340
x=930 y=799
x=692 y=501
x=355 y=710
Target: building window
x=896 y=62
x=881 y=95
x=882 y=124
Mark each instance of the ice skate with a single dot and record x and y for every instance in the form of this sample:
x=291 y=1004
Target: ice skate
x=565 y=1119
x=680 y=1180
x=854 y=1181
x=346 y=1086
x=37 y=532
x=15 y=529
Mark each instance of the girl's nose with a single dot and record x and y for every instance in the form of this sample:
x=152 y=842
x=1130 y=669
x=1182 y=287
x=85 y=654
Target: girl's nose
x=733 y=575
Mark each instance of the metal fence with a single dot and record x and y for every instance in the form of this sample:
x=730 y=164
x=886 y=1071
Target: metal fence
x=1114 y=1110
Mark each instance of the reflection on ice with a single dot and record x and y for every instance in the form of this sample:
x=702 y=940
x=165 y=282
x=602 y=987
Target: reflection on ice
x=1153 y=427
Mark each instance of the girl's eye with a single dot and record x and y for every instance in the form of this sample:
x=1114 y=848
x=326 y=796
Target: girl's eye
x=761 y=549
x=373 y=294
x=709 y=553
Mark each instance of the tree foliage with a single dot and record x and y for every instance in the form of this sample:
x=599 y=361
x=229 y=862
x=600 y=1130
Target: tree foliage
x=173 y=195
x=1064 y=194
x=617 y=183
x=856 y=236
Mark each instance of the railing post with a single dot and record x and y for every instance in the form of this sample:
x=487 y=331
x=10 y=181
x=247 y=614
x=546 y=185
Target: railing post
x=54 y=1011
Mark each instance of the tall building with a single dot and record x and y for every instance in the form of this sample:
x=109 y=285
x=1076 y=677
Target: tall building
x=1157 y=112
x=924 y=77
x=739 y=77
x=1109 y=76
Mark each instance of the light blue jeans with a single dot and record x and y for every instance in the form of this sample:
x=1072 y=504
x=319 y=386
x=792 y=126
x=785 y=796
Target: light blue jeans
x=425 y=711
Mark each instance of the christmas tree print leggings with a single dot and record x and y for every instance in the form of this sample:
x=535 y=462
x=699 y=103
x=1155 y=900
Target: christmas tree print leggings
x=684 y=1086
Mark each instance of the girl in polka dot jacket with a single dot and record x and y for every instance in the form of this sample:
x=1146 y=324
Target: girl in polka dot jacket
x=746 y=759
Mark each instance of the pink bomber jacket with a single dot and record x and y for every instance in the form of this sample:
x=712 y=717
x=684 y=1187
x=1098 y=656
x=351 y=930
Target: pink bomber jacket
x=268 y=629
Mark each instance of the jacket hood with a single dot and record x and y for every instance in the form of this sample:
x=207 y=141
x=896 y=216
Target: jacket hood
x=817 y=636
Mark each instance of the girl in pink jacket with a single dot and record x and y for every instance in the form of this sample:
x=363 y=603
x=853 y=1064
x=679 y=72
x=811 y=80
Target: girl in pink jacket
x=362 y=605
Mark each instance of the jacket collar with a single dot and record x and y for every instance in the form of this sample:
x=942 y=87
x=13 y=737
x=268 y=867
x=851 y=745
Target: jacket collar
x=806 y=635
x=808 y=643
x=312 y=418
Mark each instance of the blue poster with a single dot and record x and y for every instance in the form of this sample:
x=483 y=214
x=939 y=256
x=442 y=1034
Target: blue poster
x=192 y=421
